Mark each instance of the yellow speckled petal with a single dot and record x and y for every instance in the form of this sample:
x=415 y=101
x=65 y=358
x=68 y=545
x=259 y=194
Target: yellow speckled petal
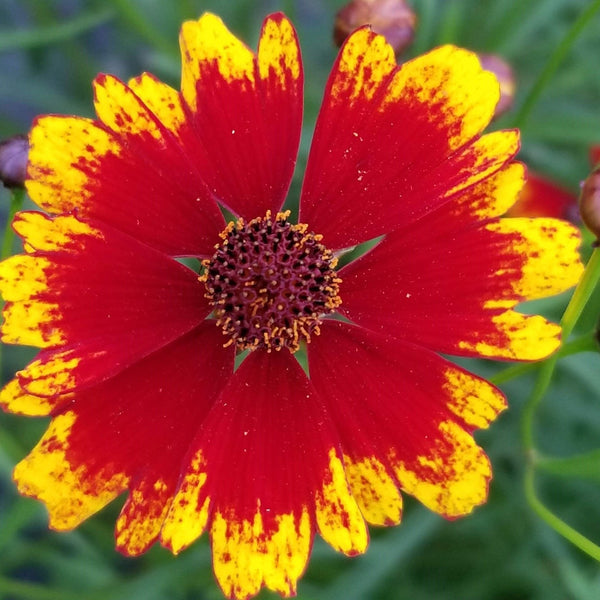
x=68 y=493
x=452 y=83
x=516 y=337
x=161 y=99
x=65 y=155
x=244 y=111
x=248 y=554
x=550 y=250
x=142 y=517
x=483 y=158
x=364 y=66
x=375 y=492
x=208 y=41
x=16 y=400
x=339 y=519
x=490 y=197
x=188 y=515
x=452 y=477
x=474 y=400
x=120 y=109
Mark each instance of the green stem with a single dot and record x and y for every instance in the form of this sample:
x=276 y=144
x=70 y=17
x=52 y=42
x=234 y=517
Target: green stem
x=584 y=343
x=557 y=524
x=554 y=61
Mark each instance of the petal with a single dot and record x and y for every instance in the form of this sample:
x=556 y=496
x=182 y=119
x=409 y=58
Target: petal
x=128 y=170
x=453 y=289
x=391 y=143
x=132 y=431
x=264 y=474
x=81 y=292
x=408 y=421
x=245 y=111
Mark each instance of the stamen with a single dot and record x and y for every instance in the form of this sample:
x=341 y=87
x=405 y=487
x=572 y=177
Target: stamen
x=270 y=283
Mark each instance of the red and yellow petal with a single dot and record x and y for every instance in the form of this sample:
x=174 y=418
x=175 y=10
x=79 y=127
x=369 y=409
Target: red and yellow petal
x=130 y=432
x=264 y=474
x=244 y=111
x=461 y=301
x=127 y=170
x=407 y=424
x=78 y=290
x=409 y=140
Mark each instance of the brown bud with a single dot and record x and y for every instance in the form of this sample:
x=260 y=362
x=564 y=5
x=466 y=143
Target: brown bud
x=13 y=161
x=393 y=19
x=506 y=78
x=589 y=204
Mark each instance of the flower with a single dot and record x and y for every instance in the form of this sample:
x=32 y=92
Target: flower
x=137 y=350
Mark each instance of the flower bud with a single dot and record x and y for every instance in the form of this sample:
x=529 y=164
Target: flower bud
x=589 y=204
x=506 y=78
x=13 y=161
x=393 y=19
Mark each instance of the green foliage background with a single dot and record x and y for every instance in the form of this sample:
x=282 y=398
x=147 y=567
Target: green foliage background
x=50 y=50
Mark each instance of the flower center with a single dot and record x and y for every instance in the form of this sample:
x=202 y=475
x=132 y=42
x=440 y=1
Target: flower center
x=270 y=282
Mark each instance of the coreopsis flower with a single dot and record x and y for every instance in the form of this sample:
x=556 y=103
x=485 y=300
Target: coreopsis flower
x=137 y=361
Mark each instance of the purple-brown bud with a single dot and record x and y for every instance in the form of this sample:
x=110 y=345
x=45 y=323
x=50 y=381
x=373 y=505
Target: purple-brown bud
x=506 y=78
x=589 y=204
x=393 y=19
x=13 y=161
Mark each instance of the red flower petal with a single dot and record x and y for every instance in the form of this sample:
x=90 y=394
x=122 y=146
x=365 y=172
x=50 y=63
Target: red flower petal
x=135 y=178
x=95 y=299
x=133 y=432
x=450 y=284
x=391 y=143
x=407 y=421
x=265 y=472
x=245 y=111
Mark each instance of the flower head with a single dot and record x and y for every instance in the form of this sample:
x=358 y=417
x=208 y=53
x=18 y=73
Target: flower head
x=137 y=350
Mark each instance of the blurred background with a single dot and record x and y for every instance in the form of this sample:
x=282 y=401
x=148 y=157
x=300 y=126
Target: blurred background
x=50 y=50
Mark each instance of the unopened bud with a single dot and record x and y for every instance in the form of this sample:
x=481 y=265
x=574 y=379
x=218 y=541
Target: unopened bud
x=506 y=78
x=393 y=19
x=13 y=161
x=589 y=204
